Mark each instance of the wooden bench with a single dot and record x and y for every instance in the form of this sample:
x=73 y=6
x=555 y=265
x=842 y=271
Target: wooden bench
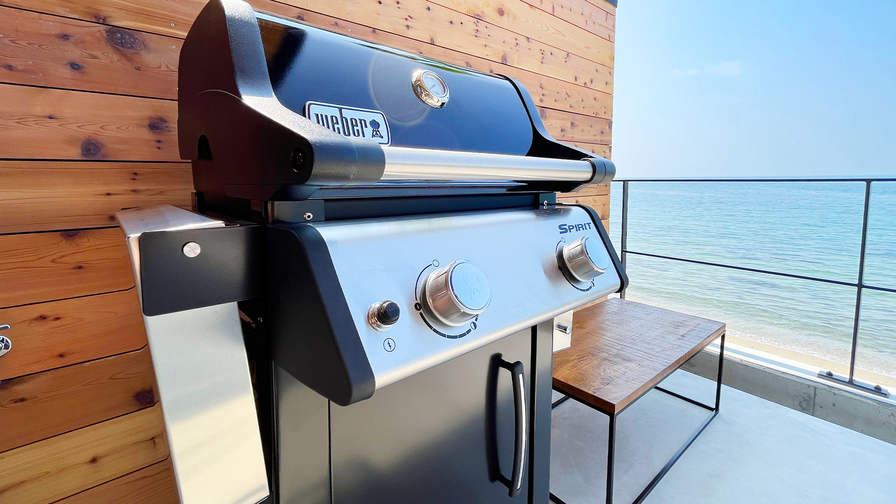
x=620 y=351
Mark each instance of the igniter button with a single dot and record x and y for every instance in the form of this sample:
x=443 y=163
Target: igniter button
x=383 y=315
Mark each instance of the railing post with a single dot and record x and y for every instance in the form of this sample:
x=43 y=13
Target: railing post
x=861 y=283
x=623 y=242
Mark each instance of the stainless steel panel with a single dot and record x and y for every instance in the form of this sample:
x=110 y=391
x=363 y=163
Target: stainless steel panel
x=381 y=259
x=403 y=163
x=204 y=385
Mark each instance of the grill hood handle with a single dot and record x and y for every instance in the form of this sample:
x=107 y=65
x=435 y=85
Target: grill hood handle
x=406 y=164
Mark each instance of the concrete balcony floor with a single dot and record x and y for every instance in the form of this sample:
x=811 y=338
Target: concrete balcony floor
x=755 y=451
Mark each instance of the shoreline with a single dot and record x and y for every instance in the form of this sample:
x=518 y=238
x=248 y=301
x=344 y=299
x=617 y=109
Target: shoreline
x=822 y=364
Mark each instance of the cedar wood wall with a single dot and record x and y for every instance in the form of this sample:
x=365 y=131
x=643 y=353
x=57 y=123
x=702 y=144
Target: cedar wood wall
x=88 y=119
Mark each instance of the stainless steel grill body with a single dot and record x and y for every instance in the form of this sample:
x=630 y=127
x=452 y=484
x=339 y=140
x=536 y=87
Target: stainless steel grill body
x=361 y=309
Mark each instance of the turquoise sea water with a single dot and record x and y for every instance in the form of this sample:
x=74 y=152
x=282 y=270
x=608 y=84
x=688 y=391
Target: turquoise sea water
x=812 y=229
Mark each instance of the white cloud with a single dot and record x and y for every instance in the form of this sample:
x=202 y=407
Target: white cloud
x=726 y=69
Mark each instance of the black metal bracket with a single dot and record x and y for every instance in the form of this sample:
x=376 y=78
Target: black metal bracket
x=296 y=211
x=194 y=268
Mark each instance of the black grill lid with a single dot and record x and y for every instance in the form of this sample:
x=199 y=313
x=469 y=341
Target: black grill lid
x=484 y=113
x=248 y=80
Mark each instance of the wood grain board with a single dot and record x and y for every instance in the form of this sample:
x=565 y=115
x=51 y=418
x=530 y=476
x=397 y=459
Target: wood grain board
x=51 y=51
x=51 y=195
x=605 y=5
x=42 y=267
x=519 y=17
x=621 y=349
x=582 y=14
x=600 y=150
x=42 y=123
x=437 y=25
x=151 y=485
x=42 y=405
x=601 y=204
x=568 y=127
x=61 y=333
x=54 y=468
x=591 y=190
x=169 y=17
x=174 y=17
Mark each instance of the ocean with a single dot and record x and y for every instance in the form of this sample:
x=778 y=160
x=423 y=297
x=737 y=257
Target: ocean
x=802 y=228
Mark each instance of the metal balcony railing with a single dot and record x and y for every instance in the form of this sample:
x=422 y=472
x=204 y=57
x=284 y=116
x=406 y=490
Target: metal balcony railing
x=859 y=285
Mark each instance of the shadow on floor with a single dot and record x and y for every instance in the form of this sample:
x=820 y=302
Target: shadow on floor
x=755 y=451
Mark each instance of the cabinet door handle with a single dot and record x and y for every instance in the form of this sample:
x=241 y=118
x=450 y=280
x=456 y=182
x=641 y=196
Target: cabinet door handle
x=520 y=448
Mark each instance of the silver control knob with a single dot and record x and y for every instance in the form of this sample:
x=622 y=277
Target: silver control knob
x=457 y=293
x=585 y=259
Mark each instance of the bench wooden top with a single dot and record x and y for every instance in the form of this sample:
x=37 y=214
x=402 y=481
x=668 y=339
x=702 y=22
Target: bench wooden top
x=620 y=349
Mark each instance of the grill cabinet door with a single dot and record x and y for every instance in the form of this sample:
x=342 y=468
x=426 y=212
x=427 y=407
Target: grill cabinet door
x=439 y=437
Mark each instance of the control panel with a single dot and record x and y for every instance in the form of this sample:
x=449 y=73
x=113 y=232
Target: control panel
x=424 y=289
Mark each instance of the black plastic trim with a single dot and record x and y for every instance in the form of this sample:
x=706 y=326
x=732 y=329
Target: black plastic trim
x=392 y=207
x=223 y=61
x=366 y=208
x=604 y=170
x=545 y=145
x=614 y=257
x=310 y=326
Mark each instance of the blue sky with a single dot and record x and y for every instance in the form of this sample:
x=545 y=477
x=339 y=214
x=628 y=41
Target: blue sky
x=760 y=88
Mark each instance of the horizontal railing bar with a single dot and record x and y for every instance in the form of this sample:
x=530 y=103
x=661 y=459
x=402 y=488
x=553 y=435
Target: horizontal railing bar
x=835 y=179
x=752 y=270
x=767 y=272
x=881 y=289
x=859 y=285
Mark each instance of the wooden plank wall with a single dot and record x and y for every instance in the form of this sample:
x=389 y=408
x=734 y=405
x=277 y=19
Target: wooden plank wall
x=88 y=126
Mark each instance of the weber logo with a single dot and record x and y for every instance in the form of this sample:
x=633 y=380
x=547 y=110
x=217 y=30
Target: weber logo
x=349 y=121
x=571 y=228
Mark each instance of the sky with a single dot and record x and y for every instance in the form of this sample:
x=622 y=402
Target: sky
x=723 y=88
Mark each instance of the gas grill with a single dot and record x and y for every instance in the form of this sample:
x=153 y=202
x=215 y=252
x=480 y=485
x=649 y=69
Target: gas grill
x=360 y=308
